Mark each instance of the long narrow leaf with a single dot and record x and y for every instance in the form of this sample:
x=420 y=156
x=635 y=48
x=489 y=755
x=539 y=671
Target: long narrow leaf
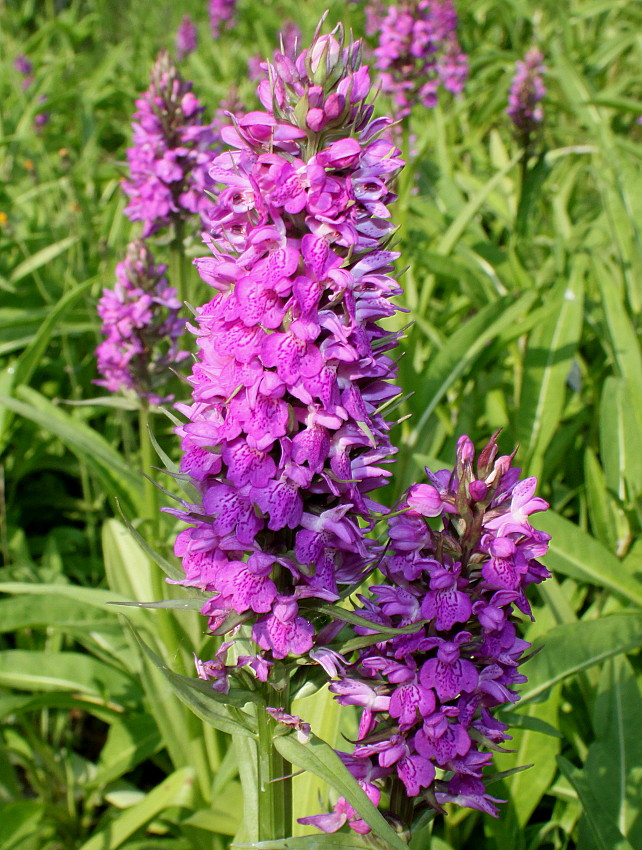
x=574 y=647
x=575 y=553
x=212 y=707
x=320 y=759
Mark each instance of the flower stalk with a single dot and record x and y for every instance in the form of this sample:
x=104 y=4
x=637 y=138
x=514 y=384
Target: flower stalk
x=275 y=782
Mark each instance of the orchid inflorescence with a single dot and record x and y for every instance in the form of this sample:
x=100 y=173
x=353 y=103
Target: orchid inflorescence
x=526 y=93
x=461 y=552
x=142 y=327
x=167 y=184
x=285 y=438
x=418 y=51
x=171 y=153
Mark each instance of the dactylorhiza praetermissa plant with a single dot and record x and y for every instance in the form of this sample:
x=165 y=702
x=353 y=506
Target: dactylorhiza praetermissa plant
x=142 y=327
x=461 y=553
x=526 y=92
x=171 y=153
x=186 y=38
x=222 y=15
x=285 y=438
x=418 y=51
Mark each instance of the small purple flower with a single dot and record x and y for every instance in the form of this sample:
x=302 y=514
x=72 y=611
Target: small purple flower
x=303 y=730
x=22 y=64
x=216 y=670
x=42 y=118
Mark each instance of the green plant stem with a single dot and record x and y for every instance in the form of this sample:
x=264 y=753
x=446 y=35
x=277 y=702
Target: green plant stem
x=275 y=791
x=178 y=276
x=179 y=720
x=151 y=506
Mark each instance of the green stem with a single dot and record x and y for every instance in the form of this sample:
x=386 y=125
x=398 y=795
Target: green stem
x=275 y=792
x=178 y=276
x=177 y=721
x=151 y=505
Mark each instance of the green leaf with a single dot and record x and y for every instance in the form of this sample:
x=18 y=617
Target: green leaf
x=533 y=724
x=620 y=436
x=109 y=467
x=176 y=790
x=604 y=832
x=219 y=710
x=460 y=353
x=549 y=356
x=624 y=342
x=33 y=670
x=131 y=740
x=574 y=647
x=575 y=553
x=19 y=821
x=41 y=258
x=50 y=610
x=599 y=504
x=319 y=758
x=174 y=604
x=613 y=767
x=339 y=613
x=246 y=752
x=95 y=597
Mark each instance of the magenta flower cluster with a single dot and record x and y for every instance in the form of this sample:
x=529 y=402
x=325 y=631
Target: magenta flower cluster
x=285 y=437
x=418 y=51
x=526 y=92
x=426 y=697
x=222 y=15
x=141 y=326
x=186 y=38
x=171 y=152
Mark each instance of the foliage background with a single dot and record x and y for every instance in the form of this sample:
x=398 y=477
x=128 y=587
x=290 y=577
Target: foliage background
x=524 y=289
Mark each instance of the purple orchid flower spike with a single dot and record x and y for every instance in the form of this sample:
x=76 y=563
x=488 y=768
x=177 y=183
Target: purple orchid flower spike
x=293 y=364
x=171 y=153
x=418 y=51
x=142 y=328
x=526 y=93
x=459 y=584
